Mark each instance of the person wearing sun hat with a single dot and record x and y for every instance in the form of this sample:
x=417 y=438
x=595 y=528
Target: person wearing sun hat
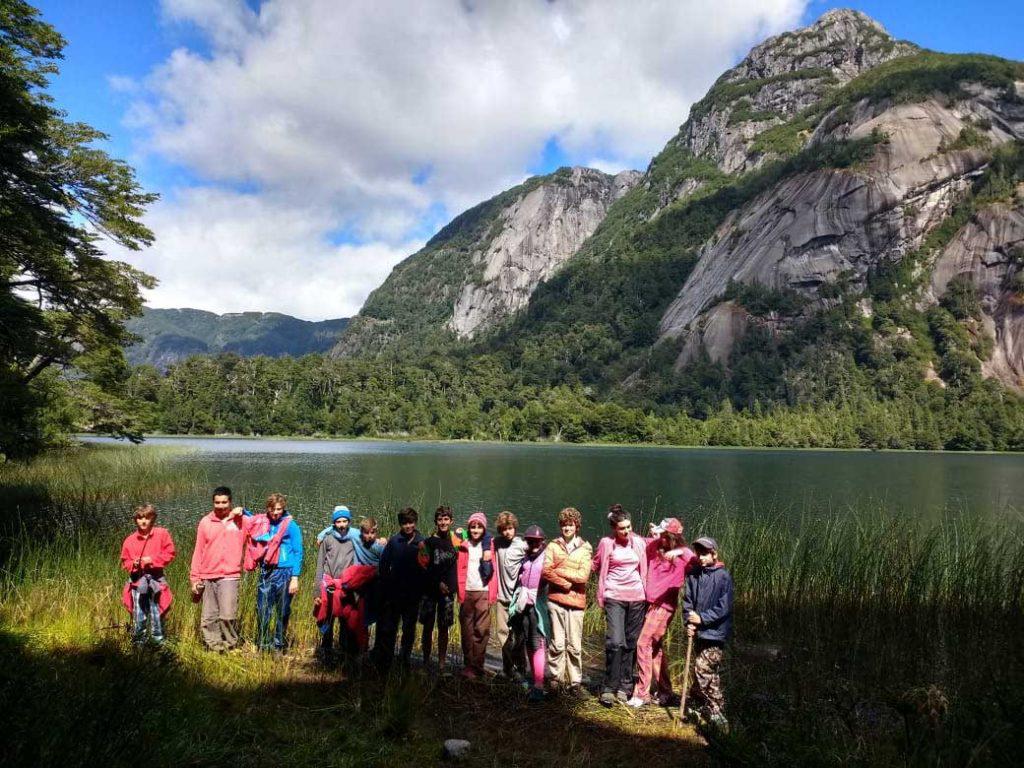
x=667 y=561
x=529 y=621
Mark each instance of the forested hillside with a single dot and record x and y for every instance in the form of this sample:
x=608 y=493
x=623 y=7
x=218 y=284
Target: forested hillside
x=836 y=235
x=170 y=335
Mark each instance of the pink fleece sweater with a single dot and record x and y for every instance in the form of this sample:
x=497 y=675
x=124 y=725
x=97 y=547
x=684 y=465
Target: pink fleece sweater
x=664 y=576
x=220 y=544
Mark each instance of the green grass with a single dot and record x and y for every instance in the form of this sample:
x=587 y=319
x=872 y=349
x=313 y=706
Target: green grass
x=861 y=639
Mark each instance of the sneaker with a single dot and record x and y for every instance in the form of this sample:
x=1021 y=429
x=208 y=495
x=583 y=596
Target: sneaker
x=636 y=703
x=622 y=696
x=607 y=699
x=535 y=695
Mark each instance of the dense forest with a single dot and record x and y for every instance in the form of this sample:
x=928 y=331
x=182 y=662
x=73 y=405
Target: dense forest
x=481 y=397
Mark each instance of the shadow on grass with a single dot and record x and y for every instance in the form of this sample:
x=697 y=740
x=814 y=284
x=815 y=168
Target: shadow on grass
x=113 y=705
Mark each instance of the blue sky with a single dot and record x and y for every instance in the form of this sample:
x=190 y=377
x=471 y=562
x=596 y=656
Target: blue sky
x=111 y=79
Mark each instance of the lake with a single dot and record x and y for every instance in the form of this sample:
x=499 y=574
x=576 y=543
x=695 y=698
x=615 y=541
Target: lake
x=537 y=480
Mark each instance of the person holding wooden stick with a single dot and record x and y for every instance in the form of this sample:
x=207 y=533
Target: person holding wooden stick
x=707 y=606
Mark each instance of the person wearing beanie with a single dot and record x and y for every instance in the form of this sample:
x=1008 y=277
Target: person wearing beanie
x=667 y=561
x=335 y=554
x=708 y=613
x=368 y=544
x=529 y=621
x=621 y=565
x=567 y=567
x=478 y=589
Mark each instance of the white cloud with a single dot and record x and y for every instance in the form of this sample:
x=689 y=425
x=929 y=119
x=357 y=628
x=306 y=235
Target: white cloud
x=228 y=252
x=335 y=108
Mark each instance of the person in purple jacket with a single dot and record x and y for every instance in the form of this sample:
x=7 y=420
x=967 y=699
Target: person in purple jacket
x=708 y=609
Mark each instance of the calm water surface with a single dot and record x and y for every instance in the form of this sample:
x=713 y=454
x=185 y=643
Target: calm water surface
x=536 y=480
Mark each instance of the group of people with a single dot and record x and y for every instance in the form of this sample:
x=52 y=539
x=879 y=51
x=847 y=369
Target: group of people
x=536 y=588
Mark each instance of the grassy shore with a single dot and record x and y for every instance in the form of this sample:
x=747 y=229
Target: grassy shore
x=864 y=640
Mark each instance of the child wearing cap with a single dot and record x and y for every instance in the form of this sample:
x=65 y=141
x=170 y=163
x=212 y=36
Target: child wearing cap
x=478 y=589
x=144 y=554
x=708 y=608
x=667 y=561
x=567 y=567
x=529 y=621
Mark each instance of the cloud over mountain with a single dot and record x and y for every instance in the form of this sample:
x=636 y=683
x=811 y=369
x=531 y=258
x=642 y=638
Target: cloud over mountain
x=312 y=123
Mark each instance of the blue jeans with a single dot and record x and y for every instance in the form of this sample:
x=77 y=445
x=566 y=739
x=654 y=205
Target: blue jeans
x=146 y=610
x=272 y=599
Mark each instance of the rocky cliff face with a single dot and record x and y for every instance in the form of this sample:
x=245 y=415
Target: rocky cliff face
x=811 y=230
x=538 y=233
x=778 y=79
x=485 y=265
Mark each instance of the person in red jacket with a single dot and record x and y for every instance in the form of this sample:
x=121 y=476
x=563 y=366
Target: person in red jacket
x=147 y=596
x=217 y=568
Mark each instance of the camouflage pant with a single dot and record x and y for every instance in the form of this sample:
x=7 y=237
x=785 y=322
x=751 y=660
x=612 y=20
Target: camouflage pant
x=706 y=691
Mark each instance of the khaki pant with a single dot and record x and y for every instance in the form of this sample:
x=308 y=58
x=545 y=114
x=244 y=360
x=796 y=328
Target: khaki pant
x=501 y=623
x=220 y=614
x=475 y=623
x=565 y=651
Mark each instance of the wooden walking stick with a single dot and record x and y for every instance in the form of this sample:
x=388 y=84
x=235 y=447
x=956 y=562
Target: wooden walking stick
x=686 y=675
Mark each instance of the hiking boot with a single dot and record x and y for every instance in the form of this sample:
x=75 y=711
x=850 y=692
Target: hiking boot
x=636 y=703
x=577 y=692
x=719 y=723
x=535 y=696
x=622 y=696
x=607 y=699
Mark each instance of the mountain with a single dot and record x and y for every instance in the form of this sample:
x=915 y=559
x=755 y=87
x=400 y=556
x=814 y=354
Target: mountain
x=483 y=267
x=839 y=222
x=170 y=335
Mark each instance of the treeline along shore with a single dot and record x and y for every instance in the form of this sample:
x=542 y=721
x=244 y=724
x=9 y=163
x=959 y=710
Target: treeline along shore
x=866 y=639
x=483 y=398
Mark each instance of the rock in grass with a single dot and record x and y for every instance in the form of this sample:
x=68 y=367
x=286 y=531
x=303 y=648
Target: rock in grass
x=455 y=749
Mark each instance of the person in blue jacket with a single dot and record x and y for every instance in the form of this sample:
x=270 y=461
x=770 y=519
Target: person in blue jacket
x=279 y=559
x=707 y=607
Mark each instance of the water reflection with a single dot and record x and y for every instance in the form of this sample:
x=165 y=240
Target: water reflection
x=535 y=481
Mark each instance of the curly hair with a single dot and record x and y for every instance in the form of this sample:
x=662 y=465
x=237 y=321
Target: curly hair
x=570 y=515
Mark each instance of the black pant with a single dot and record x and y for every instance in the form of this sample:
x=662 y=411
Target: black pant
x=623 y=621
x=523 y=634
x=394 y=612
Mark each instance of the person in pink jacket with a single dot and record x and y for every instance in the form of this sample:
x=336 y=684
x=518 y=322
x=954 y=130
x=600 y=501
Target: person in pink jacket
x=217 y=568
x=667 y=563
x=621 y=566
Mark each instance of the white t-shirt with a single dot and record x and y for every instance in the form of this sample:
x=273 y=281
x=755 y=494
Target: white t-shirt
x=474 y=582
